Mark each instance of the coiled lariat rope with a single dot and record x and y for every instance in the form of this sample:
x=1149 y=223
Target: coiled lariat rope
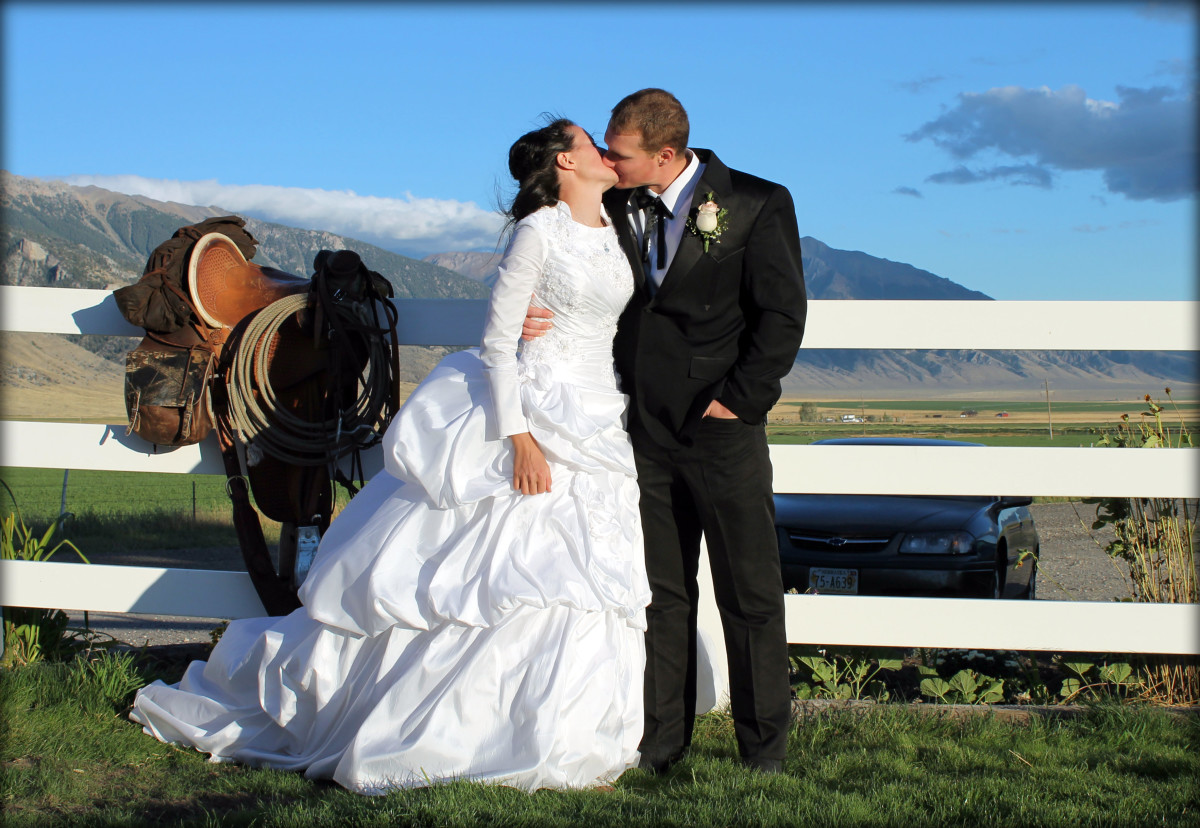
x=280 y=433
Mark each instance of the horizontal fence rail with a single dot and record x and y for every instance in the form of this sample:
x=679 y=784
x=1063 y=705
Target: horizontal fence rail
x=832 y=323
x=824 y=619
x=945 y=623
x=926 y=470
x=70 y=311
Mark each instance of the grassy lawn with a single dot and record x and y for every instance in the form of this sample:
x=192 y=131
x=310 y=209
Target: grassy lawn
x=70 y=757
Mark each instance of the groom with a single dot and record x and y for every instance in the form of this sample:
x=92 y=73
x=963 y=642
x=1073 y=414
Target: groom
x=714 y=324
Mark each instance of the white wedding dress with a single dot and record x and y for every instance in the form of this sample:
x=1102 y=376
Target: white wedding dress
x=453 y=628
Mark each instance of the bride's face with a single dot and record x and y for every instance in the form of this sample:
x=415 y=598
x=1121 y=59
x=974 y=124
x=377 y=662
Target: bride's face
x=590 y=164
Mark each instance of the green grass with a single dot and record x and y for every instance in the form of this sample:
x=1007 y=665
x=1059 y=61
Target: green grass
x=69 y=757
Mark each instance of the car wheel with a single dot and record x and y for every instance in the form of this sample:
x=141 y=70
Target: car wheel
x=987 y=585
x=997 y=585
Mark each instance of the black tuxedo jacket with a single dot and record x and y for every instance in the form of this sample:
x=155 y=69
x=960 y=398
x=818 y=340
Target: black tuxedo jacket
x=725 y=324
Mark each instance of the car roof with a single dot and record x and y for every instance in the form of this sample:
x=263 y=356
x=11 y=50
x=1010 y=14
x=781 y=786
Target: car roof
x=892 y=441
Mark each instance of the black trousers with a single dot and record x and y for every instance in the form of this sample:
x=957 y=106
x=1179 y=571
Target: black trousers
x=721 y=487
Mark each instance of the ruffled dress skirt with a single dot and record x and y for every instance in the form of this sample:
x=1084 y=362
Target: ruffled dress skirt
x=452 y=628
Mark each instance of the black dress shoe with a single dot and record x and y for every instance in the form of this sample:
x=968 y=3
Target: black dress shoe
x=656 y=767
x=769 y=766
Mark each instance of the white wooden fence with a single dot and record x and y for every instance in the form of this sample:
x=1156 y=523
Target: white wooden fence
x=823 y=619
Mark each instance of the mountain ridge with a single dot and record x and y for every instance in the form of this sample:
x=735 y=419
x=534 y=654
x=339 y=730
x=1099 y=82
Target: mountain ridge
x=95 y=238
x=58 y=234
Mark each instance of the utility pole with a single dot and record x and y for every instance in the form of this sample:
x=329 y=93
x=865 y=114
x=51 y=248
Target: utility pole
x=1049 y=421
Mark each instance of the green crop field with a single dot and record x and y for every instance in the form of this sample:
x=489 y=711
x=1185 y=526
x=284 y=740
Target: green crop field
x=39 y=492
x=1112 y=407
x=117 y=511
x=805 y=434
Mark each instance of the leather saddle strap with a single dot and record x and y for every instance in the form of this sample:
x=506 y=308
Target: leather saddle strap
x=395 y=377
x=276 y=595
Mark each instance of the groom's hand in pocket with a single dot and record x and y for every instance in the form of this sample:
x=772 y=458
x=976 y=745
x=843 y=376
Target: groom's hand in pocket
x=718 y=411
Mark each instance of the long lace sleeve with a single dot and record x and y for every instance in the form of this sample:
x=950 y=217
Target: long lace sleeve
x=519 y=270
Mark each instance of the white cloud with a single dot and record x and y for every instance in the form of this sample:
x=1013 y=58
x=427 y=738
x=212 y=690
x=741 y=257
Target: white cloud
x=1143 y=144
x=410 y=225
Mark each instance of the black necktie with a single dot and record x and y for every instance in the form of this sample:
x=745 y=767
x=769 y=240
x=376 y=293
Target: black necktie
x=656 y=214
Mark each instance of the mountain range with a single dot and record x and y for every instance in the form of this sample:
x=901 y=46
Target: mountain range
x=828 y=274
x=55 y=234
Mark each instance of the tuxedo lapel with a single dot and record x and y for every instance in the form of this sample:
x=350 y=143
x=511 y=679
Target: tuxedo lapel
x=690 y=257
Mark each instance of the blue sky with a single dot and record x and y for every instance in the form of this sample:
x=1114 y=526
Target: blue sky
x=1030 y=151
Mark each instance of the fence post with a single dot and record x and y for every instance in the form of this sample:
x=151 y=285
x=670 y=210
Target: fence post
x=62 y=506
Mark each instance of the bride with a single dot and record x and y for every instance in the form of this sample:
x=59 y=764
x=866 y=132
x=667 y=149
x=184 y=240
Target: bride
x=477 y=611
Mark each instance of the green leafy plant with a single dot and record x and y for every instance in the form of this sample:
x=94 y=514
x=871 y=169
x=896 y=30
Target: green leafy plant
x=32 y=634
x=843 y=676
x=964 y=687
x=1097 y=681
x=1018 y=676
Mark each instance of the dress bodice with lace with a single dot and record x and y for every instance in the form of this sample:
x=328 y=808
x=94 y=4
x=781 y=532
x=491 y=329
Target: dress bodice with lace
x=578 y=272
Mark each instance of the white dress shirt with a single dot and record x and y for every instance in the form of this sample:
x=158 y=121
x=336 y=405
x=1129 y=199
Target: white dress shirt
x=678 y=199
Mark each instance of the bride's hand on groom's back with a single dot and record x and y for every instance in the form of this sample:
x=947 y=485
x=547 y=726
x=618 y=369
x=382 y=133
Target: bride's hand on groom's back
x=537 y=322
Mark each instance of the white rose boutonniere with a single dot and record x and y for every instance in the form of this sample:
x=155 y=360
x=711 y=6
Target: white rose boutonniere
x=710 y=221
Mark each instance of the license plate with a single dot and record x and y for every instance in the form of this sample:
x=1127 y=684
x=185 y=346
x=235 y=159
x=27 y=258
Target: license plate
x=837 y=581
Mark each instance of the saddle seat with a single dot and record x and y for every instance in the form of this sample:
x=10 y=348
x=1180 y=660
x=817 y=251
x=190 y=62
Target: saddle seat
x=225 y=288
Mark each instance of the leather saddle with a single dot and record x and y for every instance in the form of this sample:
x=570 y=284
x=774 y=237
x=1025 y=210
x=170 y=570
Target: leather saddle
x=299 y=370
x=227 y=292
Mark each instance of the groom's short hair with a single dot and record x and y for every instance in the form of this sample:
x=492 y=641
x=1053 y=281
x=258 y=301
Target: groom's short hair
x=657 y=115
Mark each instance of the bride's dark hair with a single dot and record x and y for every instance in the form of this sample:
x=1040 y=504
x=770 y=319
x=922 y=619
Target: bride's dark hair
x=531 y=161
